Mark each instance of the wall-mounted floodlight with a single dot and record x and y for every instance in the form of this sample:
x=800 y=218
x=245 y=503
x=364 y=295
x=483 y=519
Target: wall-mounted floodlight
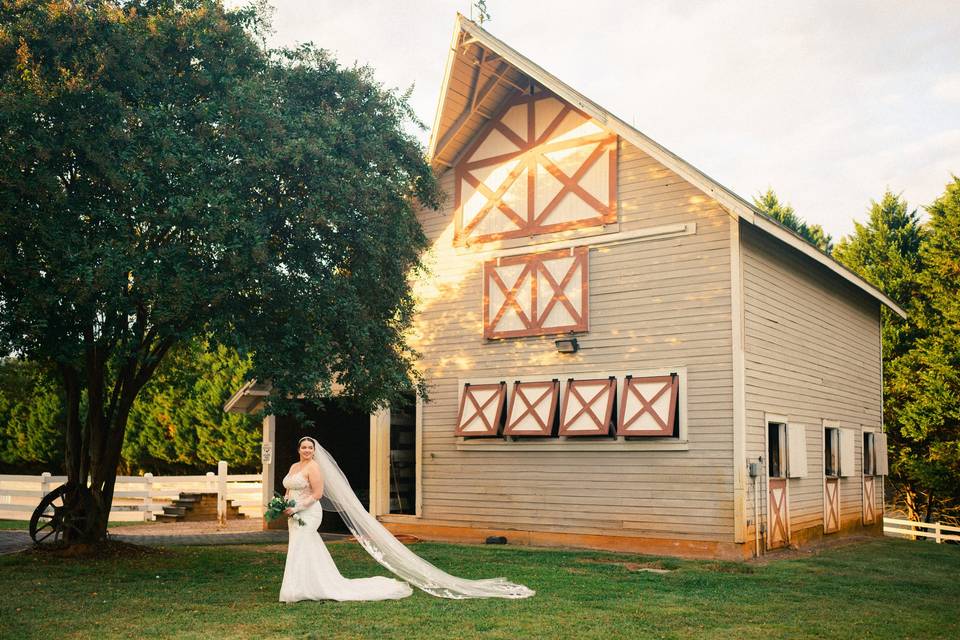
x=567 y=345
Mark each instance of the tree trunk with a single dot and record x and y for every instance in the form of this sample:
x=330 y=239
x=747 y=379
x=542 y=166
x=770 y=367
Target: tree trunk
x=94 y=445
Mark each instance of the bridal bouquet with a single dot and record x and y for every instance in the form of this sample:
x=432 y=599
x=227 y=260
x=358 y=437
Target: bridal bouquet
x=276 y=507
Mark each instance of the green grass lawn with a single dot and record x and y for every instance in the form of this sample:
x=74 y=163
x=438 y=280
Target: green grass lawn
x=876 y=589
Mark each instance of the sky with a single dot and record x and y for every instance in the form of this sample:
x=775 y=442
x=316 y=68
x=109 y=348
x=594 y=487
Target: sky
x=830 y=103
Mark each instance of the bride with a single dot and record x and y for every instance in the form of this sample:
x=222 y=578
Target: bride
x=316 y=483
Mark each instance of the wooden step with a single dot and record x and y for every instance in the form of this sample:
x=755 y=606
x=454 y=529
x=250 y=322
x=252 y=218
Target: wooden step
x=166 y=517
x=197 y=507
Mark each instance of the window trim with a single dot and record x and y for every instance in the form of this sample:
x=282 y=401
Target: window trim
x=782 y=449
x=501 y=396
x=829 y=425
x=868 y=435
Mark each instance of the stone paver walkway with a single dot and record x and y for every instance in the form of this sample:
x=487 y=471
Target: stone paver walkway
x=177 y=534
x=13 y=541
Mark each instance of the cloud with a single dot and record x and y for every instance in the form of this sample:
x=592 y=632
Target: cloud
x=948 y=88
x=827 y=102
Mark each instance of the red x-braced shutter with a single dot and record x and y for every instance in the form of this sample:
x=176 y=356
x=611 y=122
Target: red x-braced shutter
x=869 y=500
x=588 y=407
x=532 y=408
x=536 y=294
x=831 y=506
x=778 y=535
x=648 y=406
x=481 y=408
x=540 y=166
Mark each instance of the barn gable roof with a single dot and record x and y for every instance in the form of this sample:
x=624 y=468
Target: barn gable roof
x=482 y=72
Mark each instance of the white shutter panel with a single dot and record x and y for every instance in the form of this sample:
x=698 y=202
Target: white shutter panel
x=796 y=451
x=880 y=453
x=847 y=458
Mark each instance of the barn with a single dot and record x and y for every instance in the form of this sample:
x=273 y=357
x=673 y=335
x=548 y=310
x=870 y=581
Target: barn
x=620 y=352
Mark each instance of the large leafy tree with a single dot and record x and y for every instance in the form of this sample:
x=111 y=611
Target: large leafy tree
x=769 y=204
x=163 y=176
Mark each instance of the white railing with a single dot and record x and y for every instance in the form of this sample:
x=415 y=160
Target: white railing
x=913 y=530
x=138 y=498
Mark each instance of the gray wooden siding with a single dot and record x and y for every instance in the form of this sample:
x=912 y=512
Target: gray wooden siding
x=654 y=303
x=812 y=353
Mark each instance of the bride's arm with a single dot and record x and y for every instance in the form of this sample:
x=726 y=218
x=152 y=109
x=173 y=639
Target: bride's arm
x=316 y=481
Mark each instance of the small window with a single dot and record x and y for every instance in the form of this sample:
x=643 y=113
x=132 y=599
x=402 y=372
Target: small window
x=649 y=406
x=831 y=451
x=588 y=407
x=481 y=409
x=533 y=409
x=776 y=449
x=869 y=455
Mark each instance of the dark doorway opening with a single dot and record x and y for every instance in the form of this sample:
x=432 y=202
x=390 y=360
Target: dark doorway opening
x=403 y=457
x=341 y=430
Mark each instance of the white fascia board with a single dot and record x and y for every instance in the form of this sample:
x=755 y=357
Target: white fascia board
x=728 y=200
x=246 y=399
x=784 y=235
x=731 y=202
x=448 y=72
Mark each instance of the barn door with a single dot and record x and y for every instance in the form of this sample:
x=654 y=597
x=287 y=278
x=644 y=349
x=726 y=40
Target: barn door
x=778 y=535
x=778 y=509
x=831 y=505
x=869 y=500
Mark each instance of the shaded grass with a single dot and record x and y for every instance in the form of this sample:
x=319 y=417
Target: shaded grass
x=879 y=589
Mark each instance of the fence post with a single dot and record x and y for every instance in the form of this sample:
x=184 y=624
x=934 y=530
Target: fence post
x=211 y=482
x=222 y=493
x=148 y=499
x=44 y=483
x=937 y=531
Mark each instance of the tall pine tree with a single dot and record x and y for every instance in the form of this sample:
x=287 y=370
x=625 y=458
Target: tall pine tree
x=927 y=378
x=886 y=252
x=769 y=204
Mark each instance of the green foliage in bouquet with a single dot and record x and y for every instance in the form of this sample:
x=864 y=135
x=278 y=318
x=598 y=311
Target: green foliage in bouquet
x=277 y=505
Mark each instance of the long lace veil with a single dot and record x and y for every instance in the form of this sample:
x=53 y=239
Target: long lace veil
x=393 y=554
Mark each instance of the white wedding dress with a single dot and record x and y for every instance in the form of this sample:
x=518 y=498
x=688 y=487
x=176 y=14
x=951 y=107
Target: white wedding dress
x=310 y=573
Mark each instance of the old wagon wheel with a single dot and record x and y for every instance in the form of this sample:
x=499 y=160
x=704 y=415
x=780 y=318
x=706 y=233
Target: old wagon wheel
x=52 y=520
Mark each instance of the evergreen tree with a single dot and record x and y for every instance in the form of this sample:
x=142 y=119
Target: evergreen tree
x=895 y=253
x=32 y=419
x=178 y=423
x=769 y=204
x=927 y=378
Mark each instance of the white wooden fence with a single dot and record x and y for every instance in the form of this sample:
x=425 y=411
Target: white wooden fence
x=138 y=498
x=913 y=530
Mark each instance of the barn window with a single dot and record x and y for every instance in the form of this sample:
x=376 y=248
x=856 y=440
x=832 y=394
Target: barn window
x=481 y=409
x=776 y=449
x=533 y=408
x=535 y=294
x=831 y=451
x=538 y=167
x=649 y=406
x=869 y=455
x=588 y=407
